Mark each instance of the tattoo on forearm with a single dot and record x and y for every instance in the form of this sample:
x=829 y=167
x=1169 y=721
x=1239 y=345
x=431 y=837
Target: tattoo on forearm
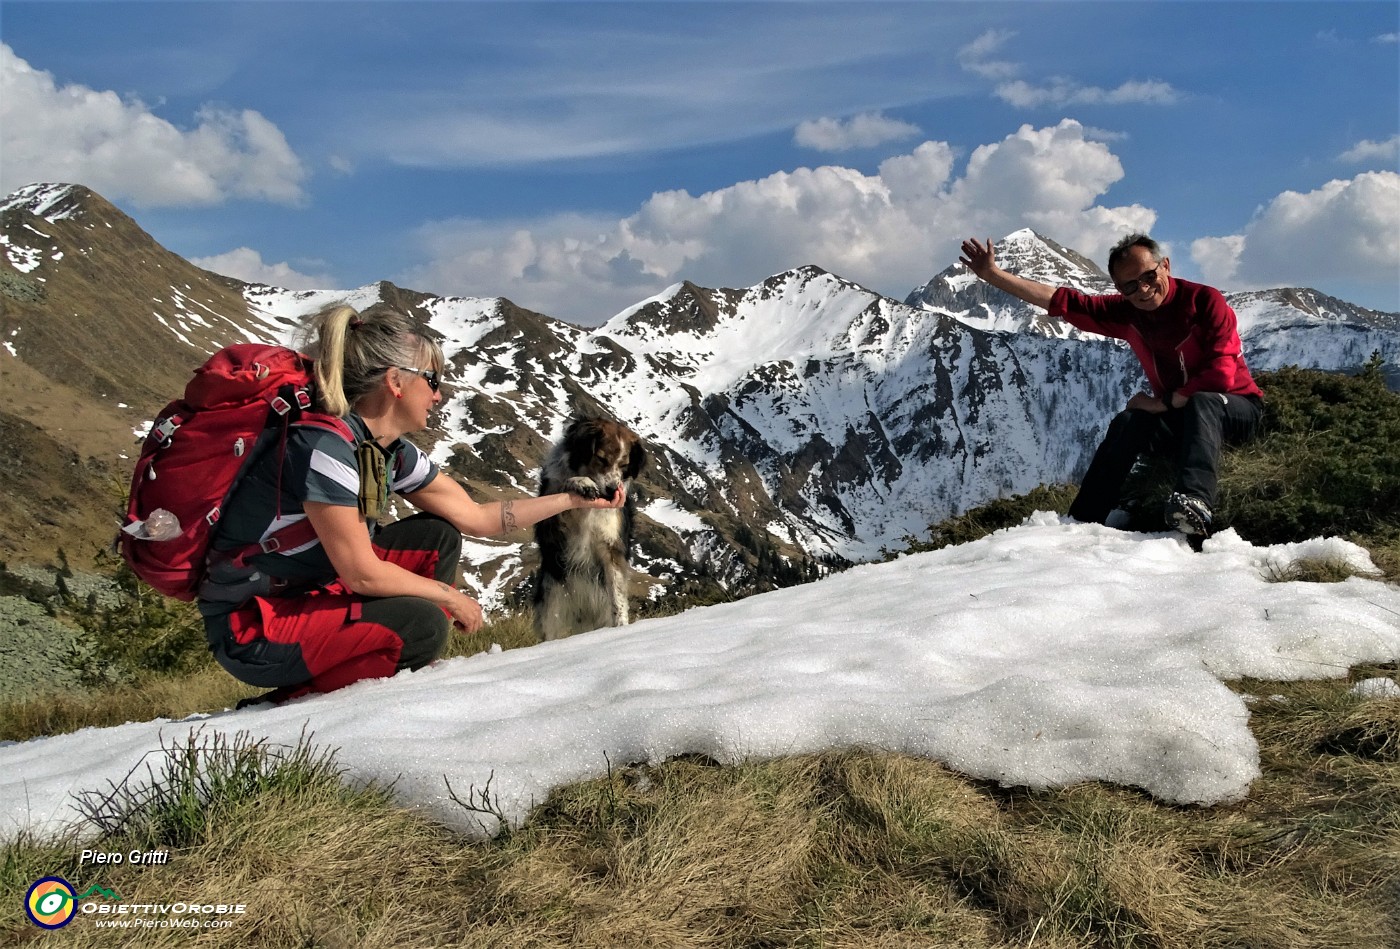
x=508 y=522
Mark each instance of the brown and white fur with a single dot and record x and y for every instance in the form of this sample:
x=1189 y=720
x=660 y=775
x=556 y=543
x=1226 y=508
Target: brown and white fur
x=585 y=553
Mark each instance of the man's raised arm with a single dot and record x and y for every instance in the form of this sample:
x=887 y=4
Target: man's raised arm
x=981 y=260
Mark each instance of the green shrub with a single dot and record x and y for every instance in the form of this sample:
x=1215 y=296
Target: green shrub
x=139 y=633
x=1328 y=463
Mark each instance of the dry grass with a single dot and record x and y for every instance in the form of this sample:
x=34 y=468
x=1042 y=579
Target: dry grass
x=1385 y=554
x=175 y=697
x=157 y=697
x=513 y=631
x=1313 y=571
x=850 y=849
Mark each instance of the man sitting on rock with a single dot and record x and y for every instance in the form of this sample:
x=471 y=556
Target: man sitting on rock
x=1186 y=338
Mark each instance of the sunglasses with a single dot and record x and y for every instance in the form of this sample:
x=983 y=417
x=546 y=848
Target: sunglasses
x=431 y=377
x=1143 y=279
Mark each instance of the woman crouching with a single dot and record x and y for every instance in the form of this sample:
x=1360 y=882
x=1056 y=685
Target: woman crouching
x=349 y=599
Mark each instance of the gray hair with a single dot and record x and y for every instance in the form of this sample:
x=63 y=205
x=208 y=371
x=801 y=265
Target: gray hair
x=1120 y=250
x=353 y=351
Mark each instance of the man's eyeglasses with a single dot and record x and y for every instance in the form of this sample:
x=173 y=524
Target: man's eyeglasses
x=1146 y=279
x=431 y=377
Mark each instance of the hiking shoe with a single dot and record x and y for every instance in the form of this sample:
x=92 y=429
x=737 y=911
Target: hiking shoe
x=1189 y=515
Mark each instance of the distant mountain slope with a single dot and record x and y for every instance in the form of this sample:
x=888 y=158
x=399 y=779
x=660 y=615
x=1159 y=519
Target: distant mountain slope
x=800 y=421
x=103 y=287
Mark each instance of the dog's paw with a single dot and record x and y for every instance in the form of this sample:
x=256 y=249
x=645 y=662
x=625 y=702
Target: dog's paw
x=583 y=487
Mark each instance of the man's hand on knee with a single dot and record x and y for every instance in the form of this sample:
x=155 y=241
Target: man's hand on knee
x=1142 y=402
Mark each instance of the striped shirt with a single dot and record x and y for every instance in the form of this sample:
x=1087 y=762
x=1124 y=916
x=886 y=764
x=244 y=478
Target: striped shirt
x=317 y=465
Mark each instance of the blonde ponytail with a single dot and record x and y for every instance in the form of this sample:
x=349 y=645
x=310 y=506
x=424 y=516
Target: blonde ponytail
x=353 y=351
x=331 y=326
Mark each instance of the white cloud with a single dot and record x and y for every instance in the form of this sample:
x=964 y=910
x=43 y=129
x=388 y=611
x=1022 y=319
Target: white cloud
x=974 y=56
x=1347 y=230
x=1104 y=135
x=1059 y=91
x=889 y=231
x=865 y=130
x=1367 y=150
x=123 y=150
x=247 y=265
x=1388 y=38
x=1218 y=257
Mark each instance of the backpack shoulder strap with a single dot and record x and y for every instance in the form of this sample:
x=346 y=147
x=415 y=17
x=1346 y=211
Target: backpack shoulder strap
x=329 y=423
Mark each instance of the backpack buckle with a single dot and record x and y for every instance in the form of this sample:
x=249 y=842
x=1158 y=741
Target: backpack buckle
x=270 y=545
x=303 y=399
x=280 y=405
x=166 y=429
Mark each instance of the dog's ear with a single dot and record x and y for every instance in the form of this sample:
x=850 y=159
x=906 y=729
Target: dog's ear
x=636 y=459
x=582 y=438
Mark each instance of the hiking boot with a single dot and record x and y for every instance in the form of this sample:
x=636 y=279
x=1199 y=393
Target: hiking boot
x=1189 y=515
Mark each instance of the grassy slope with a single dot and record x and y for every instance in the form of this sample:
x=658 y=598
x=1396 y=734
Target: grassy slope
x=842 y=849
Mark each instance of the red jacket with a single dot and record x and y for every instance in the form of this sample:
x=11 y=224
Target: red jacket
x=1189 y=344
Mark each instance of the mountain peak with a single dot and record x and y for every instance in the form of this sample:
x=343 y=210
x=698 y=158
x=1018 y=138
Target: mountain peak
x=1030 y=254
x=50 y=201
x=956 y=290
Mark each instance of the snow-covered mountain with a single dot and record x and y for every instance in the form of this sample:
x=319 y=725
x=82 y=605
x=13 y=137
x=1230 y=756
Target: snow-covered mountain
x=802 y=420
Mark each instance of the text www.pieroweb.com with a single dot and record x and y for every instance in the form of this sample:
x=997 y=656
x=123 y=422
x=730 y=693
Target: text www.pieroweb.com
x=166 y=923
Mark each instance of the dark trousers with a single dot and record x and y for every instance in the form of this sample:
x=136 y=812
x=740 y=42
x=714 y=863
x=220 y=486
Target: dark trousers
x=1193 y=435
x=328 y=637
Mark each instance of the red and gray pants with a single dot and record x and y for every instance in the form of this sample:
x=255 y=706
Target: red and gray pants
x=327 y=637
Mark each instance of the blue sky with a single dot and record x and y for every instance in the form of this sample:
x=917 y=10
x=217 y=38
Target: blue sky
x=579 y=157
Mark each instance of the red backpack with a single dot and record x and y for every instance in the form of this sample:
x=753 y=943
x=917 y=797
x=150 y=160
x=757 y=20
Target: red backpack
x=241 y=402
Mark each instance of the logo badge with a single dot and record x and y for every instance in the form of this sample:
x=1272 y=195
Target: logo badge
x=50 y=903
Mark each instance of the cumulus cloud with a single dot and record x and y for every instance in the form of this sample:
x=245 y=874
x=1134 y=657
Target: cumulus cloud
x=865 y=130
x=1367 y=151
x=890 y=230
x=1345 y=231
x=247 y=265
x=123 y=150
x=1059 y=91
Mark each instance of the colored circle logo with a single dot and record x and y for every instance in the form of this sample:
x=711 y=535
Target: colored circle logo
x=50 y=903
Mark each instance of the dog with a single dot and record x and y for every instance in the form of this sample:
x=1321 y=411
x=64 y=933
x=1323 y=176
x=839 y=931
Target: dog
x=585 y=553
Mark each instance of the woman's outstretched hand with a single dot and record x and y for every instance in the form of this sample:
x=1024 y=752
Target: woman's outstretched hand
x=616 y=501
